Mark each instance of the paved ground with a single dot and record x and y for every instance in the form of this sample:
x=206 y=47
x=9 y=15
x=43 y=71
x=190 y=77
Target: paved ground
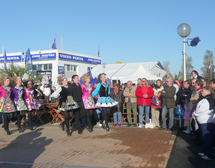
x=48 y=146
x=185 y=153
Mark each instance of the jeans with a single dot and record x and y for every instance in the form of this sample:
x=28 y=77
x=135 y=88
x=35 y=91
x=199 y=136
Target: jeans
x=115 y=115
x=141 y=110
x=171 y=117
x=207 y=134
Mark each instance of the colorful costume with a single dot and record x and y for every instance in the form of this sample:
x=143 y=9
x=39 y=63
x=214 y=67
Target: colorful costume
x=31 y=103
x=87 y=96
x=6 y=104
x=18 y=94
x=104 y=99
x=66 y=100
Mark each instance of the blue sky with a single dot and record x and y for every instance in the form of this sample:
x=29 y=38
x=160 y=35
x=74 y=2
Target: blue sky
x=125 y=30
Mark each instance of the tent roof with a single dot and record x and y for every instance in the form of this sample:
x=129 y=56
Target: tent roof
x=140 y=72
x=109 y=69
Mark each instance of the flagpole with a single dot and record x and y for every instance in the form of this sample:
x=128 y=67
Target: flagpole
x=50 y=44
x=74 y=45
x=56 y=40
x=61 y=42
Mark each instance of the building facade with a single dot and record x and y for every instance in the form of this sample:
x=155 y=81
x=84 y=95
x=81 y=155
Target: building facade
x=55 y=62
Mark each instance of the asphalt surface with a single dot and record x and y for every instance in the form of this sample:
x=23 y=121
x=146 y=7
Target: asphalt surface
x=185 y=153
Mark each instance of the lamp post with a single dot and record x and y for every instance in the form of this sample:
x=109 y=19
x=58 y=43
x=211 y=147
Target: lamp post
x=184 y=30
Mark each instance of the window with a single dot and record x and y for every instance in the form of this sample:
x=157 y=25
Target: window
x=75 y=67
x=34 y=67
x=45 y=66
x=39 y=67
x=50 y=66
x=68 y=67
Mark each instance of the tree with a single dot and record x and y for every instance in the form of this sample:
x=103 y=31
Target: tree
x=18 y=71
x=166 y=66
x=208 y=73
x=178 y=76
x=189 y=68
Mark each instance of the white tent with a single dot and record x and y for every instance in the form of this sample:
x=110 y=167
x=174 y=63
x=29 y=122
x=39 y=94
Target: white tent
x=140 y=72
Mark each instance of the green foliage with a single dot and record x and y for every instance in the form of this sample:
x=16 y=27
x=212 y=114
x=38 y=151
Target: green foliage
x=16 y=70
x=206 y=72
x=189 y=68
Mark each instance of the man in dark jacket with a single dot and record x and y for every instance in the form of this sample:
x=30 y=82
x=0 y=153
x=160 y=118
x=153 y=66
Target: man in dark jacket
x=117 y=95
x=183 y=94
x=77 y=96
x=168 y=103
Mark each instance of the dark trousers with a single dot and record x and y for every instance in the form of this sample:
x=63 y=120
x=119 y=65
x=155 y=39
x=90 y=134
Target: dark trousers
x=0 y=118
x=89 y=113
x=207 y=134
x=7 y=118
x=106 y=112
x=79 y=114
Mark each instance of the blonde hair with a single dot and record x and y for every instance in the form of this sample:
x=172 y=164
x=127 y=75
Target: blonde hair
x=60 y=79
x=3 y=78
x=85 y=76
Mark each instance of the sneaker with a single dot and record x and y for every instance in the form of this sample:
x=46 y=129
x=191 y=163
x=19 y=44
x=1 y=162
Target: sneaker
x=187 y=132
x=114 y=125
x=135 y=125
x=201 y=154
x=206 y=158
x=100 y=125
x=140 y=126
x=161 y=128
x=119 y=125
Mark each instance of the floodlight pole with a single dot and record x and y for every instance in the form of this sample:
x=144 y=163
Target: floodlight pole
x=184 y=42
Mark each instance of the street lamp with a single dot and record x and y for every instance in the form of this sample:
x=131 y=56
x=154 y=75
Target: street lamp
x=184 y=30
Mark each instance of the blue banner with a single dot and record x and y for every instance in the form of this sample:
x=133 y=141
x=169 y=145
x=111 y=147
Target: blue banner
x=34 y=57
x=79 y=58
x=61 y=70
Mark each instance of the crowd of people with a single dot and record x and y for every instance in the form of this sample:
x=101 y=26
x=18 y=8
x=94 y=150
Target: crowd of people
x=143 y=101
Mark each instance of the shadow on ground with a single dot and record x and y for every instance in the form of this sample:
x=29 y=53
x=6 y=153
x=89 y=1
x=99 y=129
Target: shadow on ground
x=28 y=147
x=185 y=153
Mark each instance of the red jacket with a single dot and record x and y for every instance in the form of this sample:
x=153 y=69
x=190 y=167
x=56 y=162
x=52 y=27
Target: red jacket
x=139 y=94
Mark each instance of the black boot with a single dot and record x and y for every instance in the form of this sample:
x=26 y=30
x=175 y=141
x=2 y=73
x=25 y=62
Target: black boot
x=8 y=132
x=68 y=133
x=107 y=129
x=62 y=126
x=20 y=129
x=89 y=129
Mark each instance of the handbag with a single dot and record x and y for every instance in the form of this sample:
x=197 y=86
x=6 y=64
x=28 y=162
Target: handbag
x=179 y=111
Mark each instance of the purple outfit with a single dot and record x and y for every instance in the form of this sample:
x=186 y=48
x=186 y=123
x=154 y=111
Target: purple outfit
x=87 y=96
x=156 y=101
x=187 y=112
x=18 y=94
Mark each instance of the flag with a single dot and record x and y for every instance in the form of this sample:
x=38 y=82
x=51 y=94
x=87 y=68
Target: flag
x=5 y=60
x=117 y=62
x=28 y=59
x=209 y=65
x=99 y=52
x=54 y=45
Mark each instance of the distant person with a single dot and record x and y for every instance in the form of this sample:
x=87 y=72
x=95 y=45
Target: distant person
x=117 y=95
x=131 y=103
x=195 y=75
x=168 y=104
x=204 y=82
x=158 y=87
x=183 y=94
x=204 y=115
x=139 y=81
x=212 y=85
x=144 y=96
